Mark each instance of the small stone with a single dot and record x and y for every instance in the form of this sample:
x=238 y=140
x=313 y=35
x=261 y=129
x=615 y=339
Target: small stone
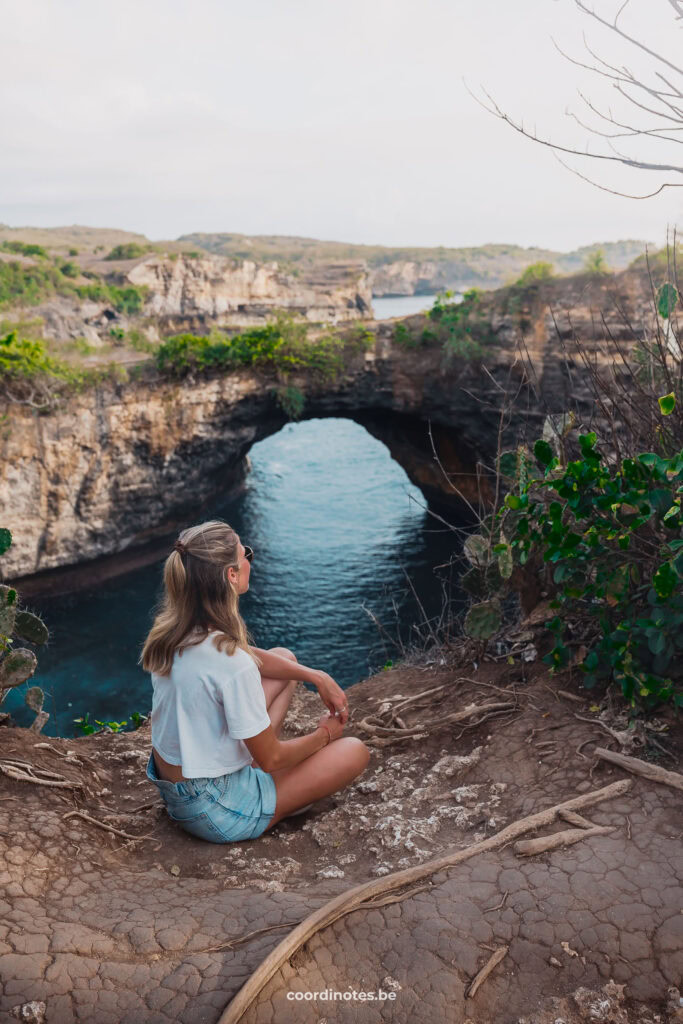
x=174 y=869
x=331 y=872
x=554 y=962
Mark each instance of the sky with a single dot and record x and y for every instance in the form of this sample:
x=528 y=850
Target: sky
x=334 y=119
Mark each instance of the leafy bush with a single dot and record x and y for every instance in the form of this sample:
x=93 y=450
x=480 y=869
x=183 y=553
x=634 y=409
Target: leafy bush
x=608 y=538
x=24 y=249
x=405 y=337
x=128 y=299
x=535 y=272
x=291 y=400
x=459 y=326
x=28 y=285
x=282 y=345
x=596 y=263
x=127 y=251
x=85 y=726
x=21 y=358
x=29 y=375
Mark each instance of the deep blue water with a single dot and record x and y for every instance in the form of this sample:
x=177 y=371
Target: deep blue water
x=333 y=521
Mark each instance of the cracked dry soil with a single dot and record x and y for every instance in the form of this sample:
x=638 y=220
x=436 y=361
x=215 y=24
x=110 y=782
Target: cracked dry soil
x=166 y=928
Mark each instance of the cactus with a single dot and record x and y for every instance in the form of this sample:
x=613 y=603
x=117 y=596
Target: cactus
x=479 y=583
x=483 y=620
x=16 y=668
x=476 y=549
x=30 y=627
x=8 y=610
x=34 y=698
x=505 y=565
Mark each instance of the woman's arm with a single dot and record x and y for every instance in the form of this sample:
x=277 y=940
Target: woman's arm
x=272 y=753
x=278 y=667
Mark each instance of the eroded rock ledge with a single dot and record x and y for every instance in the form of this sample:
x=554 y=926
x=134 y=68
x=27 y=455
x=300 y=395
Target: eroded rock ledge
x=164 y=928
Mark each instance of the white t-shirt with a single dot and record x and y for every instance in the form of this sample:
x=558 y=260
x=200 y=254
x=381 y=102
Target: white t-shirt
x=203 y=710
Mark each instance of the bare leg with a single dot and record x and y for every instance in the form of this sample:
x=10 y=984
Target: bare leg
x=323 y=773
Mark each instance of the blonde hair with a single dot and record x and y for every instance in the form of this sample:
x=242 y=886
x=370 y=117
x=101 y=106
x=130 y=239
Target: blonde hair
x=198 y=596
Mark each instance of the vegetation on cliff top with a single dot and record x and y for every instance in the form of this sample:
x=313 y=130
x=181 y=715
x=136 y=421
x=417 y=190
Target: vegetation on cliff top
x=592 y=519
x=27 y=284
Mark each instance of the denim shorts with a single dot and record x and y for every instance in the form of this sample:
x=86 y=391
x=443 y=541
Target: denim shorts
x=224 y=809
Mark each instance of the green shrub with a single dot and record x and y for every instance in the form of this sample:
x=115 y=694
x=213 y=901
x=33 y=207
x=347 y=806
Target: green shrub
x=27 y=285
x=85 y=726
x=22 y=359
x=595 y=263
x=127 y=251
x=128 y=299
x=291 y=400
x=609 y=537
x=24 y=249
x=404 y=336
x=535 y=272
x=282 y=345
x=460 y=326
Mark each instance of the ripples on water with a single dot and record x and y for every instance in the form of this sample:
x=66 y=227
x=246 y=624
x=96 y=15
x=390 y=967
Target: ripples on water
x=332 y=520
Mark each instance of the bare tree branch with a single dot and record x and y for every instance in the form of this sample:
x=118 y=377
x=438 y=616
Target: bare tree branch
x=663 y=104
x=639 y=164
x=636 y=42
x=615 y=192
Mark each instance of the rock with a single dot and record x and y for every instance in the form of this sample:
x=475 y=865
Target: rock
x=31 y=1013
x=601 y=1007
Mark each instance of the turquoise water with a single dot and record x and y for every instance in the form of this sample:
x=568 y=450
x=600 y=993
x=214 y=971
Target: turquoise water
x=332 y=520
x=400 y=305
x=404 y=305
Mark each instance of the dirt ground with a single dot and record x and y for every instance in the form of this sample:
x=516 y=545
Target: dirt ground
x=157 y=926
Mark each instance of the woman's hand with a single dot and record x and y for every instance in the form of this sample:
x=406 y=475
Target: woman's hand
x=331 y=694
x=334 y=725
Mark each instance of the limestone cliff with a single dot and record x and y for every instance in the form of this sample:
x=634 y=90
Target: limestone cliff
x=196 y=294
x=236 y=293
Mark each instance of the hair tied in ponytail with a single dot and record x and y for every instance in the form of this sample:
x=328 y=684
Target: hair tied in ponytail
x=180 y=547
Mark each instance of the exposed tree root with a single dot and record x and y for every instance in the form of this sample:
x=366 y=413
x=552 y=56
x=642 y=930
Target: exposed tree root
x=649 y=771
x=575 y=819
x=100 y=824
x=437 y=723
x=483 y=974
x=530 y=847
x=24 y=771
x=357 y=897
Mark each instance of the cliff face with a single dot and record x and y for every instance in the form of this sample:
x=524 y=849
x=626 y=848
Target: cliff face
x=233 y=293
x=127 y=463
x=196 y=294
x=411 y=278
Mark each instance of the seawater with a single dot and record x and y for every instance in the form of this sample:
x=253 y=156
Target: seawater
x=386 y=306
x=337 y=530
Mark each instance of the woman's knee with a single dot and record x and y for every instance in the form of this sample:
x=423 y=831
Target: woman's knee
x=355 y=752
x=284 y=652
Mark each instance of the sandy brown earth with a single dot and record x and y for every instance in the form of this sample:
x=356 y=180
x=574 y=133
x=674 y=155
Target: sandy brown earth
x=163 y=927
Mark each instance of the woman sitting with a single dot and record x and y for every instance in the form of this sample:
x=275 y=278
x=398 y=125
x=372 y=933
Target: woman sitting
x=219 y=703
